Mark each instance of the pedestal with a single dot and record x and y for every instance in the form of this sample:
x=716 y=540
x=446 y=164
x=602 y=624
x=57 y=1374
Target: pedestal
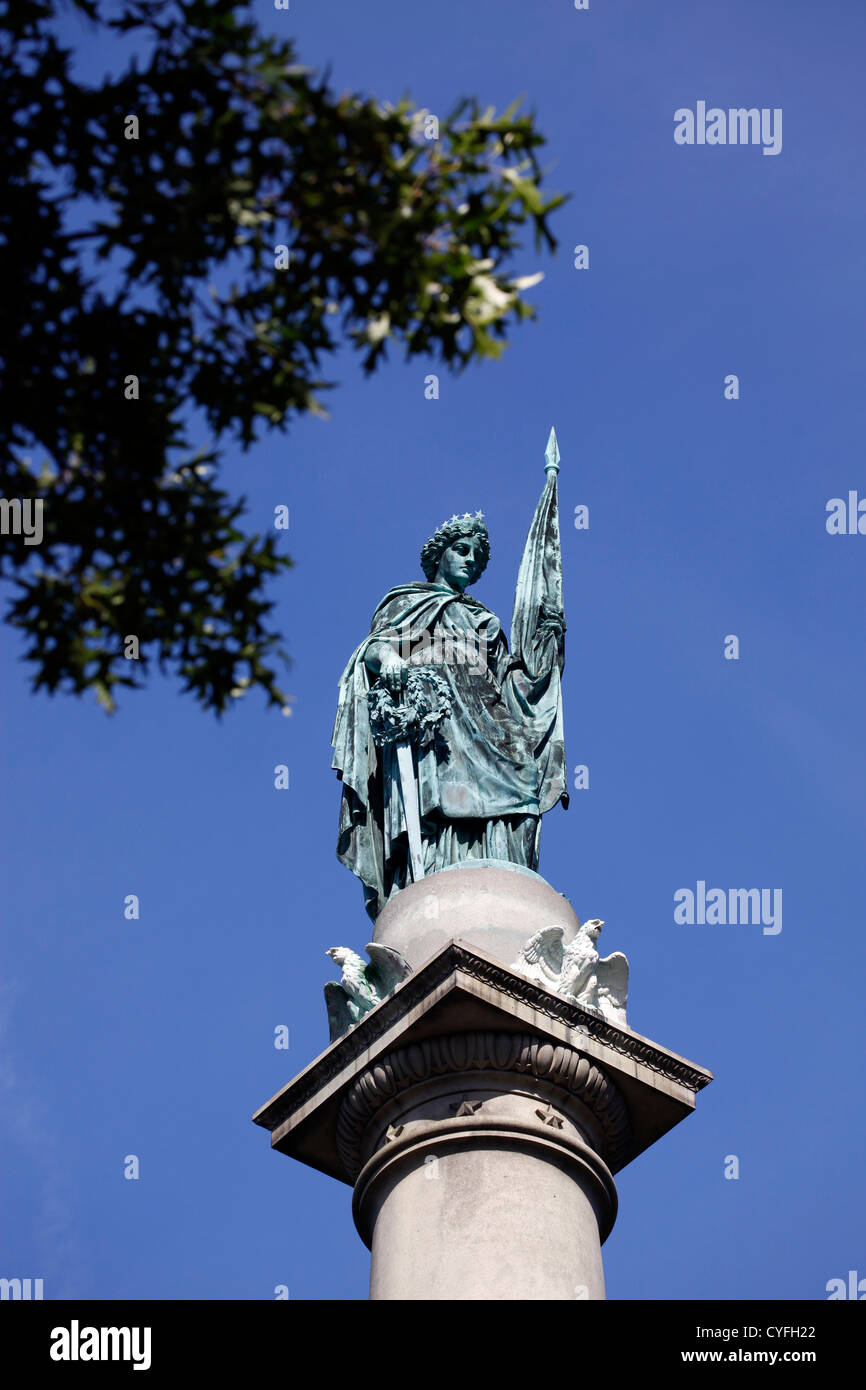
x=479 y=1117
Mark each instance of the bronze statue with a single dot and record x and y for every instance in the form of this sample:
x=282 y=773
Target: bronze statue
x=449 y=746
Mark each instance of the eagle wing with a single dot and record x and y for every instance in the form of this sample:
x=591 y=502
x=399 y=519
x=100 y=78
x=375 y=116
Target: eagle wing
x=387 y=968
x=612 y=974
x=541 y=957
x=339 y=1018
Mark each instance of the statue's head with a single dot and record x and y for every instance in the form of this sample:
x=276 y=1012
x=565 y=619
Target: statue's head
x=450 y=533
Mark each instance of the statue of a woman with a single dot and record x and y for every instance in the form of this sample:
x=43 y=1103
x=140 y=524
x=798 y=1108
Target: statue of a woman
x=440 y=729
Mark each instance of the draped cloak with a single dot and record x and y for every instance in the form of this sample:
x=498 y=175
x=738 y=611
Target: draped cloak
x=497 y=762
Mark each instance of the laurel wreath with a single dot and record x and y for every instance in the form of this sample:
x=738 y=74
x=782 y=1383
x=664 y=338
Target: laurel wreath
x=426 y=703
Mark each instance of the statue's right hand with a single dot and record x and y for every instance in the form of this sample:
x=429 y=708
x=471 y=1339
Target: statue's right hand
x=393 y=670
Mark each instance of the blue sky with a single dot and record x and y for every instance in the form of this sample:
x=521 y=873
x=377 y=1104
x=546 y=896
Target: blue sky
x=707 y=518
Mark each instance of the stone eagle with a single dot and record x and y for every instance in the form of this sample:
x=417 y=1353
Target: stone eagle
x=577 y=970
x=364 y=984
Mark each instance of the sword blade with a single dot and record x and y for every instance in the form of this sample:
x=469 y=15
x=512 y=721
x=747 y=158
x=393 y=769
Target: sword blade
x=409 y=793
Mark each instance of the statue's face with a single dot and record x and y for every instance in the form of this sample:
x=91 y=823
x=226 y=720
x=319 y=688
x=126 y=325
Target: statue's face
x=458 y=563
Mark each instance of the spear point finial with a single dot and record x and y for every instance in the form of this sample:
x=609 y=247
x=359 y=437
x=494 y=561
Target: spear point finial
x=551 y=453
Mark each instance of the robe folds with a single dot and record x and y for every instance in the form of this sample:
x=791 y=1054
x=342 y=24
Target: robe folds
x=495 y=765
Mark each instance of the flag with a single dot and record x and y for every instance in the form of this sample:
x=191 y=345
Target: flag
x=537 y=644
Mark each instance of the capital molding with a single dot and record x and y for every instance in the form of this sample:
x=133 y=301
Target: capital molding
x=462 y=991
x=471 y=1056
